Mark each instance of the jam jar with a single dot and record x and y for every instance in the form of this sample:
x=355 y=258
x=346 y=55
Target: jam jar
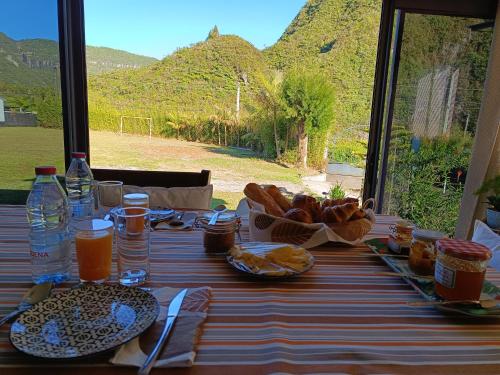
x=422 y=256
x=460 y=269
x=219 y=237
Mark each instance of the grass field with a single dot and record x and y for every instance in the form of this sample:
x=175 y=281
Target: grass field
x=23 y=148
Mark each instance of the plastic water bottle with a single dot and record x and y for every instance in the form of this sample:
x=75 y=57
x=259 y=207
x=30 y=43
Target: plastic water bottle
x=48 y=217
x=79 y=186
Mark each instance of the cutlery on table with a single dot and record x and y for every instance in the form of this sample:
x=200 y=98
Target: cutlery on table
x=484 y=303
x=408 y=275
x=218 y=210
x=34 y=295
x=173 y=311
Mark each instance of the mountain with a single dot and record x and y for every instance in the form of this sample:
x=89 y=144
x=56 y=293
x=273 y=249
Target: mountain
x=35 y=62
x=339 y=38
x=103 y=59
x=200 y=79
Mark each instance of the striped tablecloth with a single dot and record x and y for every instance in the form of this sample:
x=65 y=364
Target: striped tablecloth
x=341 y=317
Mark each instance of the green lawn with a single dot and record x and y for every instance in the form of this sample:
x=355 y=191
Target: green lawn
x=23 y=148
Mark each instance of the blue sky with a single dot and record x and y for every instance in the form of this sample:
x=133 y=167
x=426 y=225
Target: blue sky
x=155 y=27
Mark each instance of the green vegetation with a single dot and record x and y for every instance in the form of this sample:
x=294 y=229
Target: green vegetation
x=103 y=59
x=492 y=187
x=336 y=192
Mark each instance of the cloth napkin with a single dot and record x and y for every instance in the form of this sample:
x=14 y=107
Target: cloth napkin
x=180 y=349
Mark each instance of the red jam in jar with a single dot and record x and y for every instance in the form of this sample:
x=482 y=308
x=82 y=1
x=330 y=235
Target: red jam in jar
x=460 y=269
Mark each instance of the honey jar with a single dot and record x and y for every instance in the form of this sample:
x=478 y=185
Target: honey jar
x=460 y=269
x=219 y=237
x=422 y=257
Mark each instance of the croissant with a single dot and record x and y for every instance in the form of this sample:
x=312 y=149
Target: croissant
x=359 y=214
x=298 y=214
x=338 y=214
x=341 y=201
x=279 y=198
x=309 y=204
x=259 y=195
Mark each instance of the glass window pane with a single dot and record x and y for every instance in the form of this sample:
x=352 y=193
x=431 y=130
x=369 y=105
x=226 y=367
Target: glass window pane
x=438 y=96
x=213 y=97
x=30 y=95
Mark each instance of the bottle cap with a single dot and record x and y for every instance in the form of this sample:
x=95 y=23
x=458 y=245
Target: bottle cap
x=45 y=170
x=78 y=155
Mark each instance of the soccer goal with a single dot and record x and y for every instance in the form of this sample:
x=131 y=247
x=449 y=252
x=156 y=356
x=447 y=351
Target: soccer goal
x=136 y=125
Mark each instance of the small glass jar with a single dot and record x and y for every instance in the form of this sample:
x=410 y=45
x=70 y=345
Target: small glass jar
x=219 y=237
x=460 y=269
x=422 y=257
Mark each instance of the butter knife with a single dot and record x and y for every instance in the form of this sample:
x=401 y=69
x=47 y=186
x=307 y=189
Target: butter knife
x=34 y=295
x=173 y=312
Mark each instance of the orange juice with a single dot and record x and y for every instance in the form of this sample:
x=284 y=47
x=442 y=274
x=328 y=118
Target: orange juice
x=135 y=224
x=94 y=248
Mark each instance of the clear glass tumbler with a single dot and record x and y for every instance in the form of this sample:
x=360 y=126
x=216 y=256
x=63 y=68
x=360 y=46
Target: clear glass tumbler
x=94 y=247
x=132 y=228
x=136 y=200
x=110 y=195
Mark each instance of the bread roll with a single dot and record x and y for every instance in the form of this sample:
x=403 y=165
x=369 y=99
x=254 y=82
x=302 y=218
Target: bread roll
x=359 y=214
x=309 y=204
x=300 y=215
x=279 y=198
x=338 y=214
x=259 y=195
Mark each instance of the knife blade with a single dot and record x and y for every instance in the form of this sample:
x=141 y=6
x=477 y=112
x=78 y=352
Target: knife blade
x=34 y=295
x=173 y=312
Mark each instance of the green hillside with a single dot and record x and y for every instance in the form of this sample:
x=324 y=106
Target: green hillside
x=197 y=80
x=35 y=62
x=339 y=37
x=103 y=59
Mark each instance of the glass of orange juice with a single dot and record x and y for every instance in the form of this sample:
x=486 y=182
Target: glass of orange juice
x=94 y=248
x=139 y=200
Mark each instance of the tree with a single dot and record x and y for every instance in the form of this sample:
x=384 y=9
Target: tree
x=214 y=33
x=309 y=99
x=271 y=103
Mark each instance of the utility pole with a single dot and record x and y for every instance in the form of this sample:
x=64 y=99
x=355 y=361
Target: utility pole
x=238 y=102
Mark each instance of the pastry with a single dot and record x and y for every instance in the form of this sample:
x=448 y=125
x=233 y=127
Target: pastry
x=279 y=198
x=352 y=230
x=259 y=195
x=338 y=214
x=309 y=204
x=298 y=214
x=341 y=201
x=359 y=214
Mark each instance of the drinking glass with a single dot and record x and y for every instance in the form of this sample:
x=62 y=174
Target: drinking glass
x=132 y=228
x=110 y=194
x=94 y=247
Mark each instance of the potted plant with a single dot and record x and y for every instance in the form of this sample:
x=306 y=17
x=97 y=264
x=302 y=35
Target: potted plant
x=492 y=188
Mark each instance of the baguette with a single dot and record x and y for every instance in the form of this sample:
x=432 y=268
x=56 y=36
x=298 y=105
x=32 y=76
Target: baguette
x=259 y=195
x=279 y=198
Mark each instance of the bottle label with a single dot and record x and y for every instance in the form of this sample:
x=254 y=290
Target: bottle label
x=445 y=275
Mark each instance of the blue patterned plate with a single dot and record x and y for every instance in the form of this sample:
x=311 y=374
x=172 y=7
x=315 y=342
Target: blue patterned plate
x=425 y=286
x=84 y=321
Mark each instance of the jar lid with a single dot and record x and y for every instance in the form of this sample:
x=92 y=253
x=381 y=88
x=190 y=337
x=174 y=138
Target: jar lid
x=225 y=217
x=94 y=224
x=428 y=235
x=45 y=170
x=462 y=249
x=78 y=155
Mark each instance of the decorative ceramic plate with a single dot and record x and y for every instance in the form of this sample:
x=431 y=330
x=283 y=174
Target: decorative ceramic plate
x=279 y=272
x=84 y=321
x=425 y=286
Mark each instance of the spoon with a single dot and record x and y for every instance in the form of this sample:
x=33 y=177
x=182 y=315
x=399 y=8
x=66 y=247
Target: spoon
x=218 y=210
x=484 y=303
x=34 y=295
x=177 y=222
